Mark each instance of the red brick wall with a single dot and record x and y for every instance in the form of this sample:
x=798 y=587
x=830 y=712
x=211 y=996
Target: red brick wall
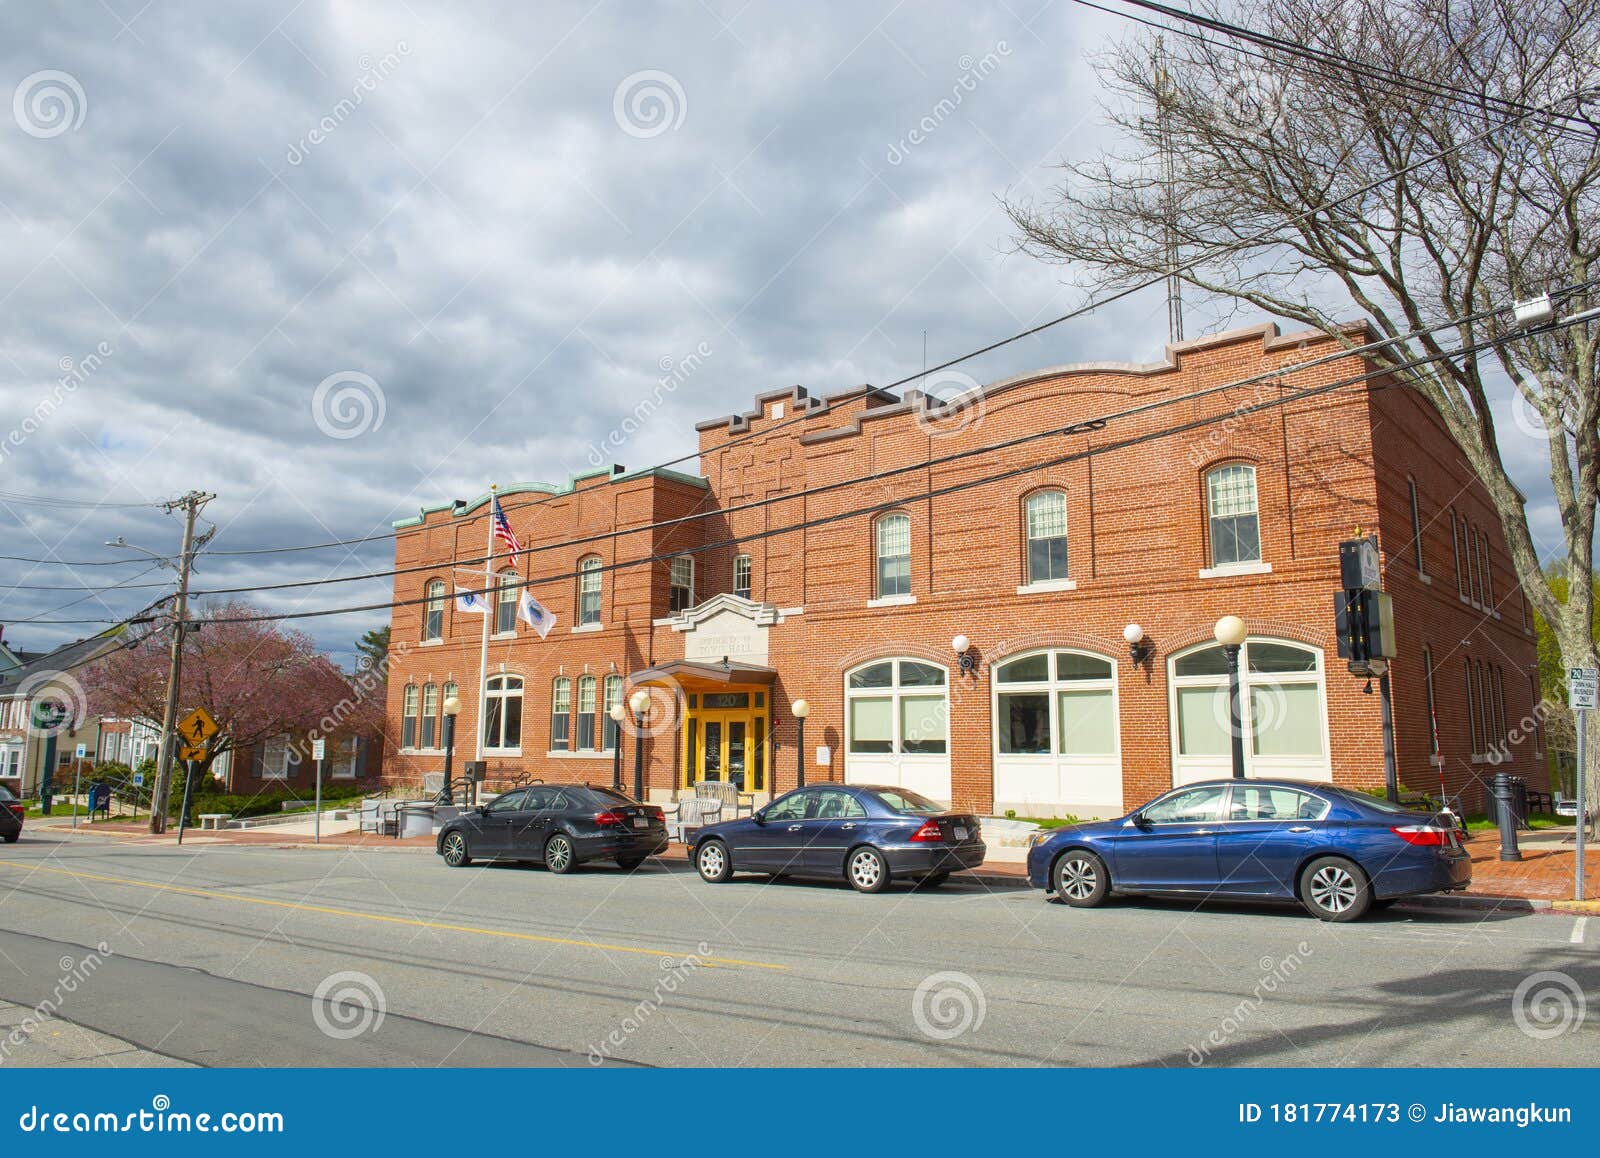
x=1325 y=466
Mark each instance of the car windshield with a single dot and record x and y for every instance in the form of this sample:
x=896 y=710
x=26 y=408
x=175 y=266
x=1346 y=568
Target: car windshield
x=904 y=800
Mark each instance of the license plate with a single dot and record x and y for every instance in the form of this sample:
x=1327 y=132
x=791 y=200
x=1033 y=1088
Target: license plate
x=961 y=833
x=641 y=822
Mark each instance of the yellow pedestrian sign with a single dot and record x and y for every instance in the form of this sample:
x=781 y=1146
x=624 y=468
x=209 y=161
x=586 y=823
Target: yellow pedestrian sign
x=197 y=727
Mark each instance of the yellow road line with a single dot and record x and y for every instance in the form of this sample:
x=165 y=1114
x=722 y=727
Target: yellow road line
x=409 y=921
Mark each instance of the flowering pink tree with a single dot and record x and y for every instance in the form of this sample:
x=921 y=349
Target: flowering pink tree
x=258 y=680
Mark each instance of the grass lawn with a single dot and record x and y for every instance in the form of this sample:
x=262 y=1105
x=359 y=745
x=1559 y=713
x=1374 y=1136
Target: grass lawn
x=1536 y=821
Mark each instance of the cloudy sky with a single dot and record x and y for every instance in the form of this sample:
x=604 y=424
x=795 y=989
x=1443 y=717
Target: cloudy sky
x=333 y=261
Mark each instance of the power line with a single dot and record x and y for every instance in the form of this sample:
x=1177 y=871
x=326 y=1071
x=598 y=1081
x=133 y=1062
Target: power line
x=937 y=492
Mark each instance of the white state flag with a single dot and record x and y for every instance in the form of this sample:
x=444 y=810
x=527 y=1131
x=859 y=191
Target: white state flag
x=534 y=614
x=471 y=603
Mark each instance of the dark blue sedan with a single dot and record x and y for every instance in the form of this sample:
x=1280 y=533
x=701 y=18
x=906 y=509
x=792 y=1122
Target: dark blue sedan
x=1337 y=852
x=868 y=834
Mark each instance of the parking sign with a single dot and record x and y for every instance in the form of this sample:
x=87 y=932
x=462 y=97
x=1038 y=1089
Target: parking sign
x=1583 y=688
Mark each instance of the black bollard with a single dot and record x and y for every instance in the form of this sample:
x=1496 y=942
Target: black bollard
x=1505 y=809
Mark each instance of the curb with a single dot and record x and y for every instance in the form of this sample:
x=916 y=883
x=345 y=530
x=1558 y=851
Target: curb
x=1482 y=903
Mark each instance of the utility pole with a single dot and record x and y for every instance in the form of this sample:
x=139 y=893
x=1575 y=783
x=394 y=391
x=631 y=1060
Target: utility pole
x=191 y=504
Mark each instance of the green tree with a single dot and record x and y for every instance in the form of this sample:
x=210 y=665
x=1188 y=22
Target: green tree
x=374 y=647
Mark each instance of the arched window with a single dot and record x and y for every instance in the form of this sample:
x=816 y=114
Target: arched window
x=1282 y=708
x=613 y=699
x=561 y=714
x=897 y=705
x=502 y=713
x=505 y=604
x=433 y=611
x=1045 y=519
x=408 y=717
x=588 y=689
x=1233 y=518
x=589 y=590
x=430 y=715
x=1056 y=735
x=892 y=551
x=1455 y=552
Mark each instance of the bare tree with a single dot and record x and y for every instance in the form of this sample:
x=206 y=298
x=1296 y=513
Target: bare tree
x=1264 y=147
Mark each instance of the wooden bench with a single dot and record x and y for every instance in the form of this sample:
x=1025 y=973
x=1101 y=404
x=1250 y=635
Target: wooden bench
x=216 y=820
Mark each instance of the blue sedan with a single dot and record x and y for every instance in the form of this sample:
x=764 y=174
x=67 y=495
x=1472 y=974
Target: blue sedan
x=868 y=834
x=1336 y=851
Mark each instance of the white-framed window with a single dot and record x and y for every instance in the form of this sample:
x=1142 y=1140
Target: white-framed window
x=561 y=714
x=505 y=603
x=588 y=705
x=1055 y=703
x=897 y=706
x=10 y=761
x=502 y=712
x=892 y=554
x=613 y=698
x=1045 y=523
x=1282 y=707
x=433 y=611
x=408 y=717
x=450 y=689
x=741 y=576
x=430 y=716
x=1455 y=551
x=1233 y=517
x=589 y=583
x=346 y=751
x=277 y=756
x=680 y=586
x=1416 y=527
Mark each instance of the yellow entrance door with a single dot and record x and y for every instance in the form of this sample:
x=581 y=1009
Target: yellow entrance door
x=726 y=744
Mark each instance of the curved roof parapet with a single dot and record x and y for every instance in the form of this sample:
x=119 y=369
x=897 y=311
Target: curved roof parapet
x=613 y=473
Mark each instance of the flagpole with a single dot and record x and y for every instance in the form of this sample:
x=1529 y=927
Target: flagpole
x=489 y=607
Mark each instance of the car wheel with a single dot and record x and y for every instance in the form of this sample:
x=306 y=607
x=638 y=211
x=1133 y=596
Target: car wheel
x=1081 y=879
x=933 y=880
x=1335 y=889
x=713 y=861
x=558 y=854
x=455 y=851
x=867 y=871
x=629 y=862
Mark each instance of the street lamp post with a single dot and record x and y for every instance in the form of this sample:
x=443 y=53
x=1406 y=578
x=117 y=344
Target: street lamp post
x=452 y=705
x=1230 y=632
x=617 y=713
x=640 y=703
x=801 y=710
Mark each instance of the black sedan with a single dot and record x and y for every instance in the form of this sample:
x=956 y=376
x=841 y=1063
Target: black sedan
x=868 y=834
x=11 y=812
x=558 y=825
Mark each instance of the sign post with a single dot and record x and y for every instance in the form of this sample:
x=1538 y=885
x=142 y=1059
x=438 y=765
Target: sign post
x=77 y=781
x=1583 y=695
x=319 y=750
x=188 y=795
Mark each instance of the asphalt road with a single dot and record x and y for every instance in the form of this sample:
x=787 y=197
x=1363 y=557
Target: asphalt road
x=216 y=955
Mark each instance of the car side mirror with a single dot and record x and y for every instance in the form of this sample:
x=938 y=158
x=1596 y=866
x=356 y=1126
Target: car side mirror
x=1139 y=820
x=760 y=817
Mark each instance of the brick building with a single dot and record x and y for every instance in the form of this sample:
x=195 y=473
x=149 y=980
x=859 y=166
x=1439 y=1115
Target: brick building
x=1197 y=499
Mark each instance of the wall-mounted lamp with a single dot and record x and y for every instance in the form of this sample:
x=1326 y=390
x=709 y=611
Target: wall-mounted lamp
x=1140 y=649
x=962 y=646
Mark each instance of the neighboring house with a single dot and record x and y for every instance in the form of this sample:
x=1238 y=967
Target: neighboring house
x=285 y=762
x=50 y=682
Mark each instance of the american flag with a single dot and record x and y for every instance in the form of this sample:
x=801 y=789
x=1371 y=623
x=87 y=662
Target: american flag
x=502 y=529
